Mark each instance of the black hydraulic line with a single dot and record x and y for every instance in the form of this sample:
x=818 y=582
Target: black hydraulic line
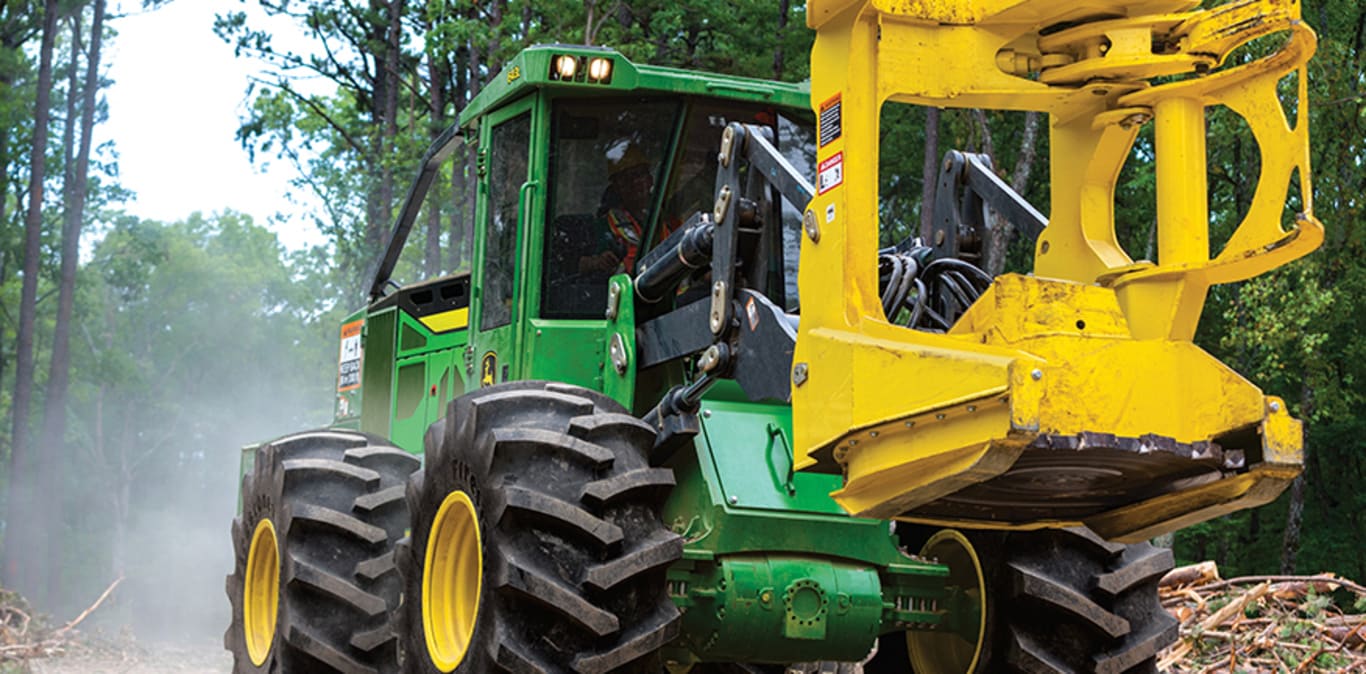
x=911 y=272
x=889 y=293
x=959 y=265
x=918 y=310
x=934 y=315
x=956 y=293
x=437 y=153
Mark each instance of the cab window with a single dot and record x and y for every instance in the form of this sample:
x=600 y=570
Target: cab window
x=606 y=160
x=507 y=173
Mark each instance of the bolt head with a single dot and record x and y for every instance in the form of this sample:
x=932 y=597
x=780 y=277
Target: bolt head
x=813 y=230
x=613 y=302
x=800 y=372
x=617 y=351
x=1036 y=374
x=734 y=500
x=1275 y=406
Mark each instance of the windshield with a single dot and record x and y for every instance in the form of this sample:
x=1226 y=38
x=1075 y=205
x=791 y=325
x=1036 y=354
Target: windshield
x=606 y=171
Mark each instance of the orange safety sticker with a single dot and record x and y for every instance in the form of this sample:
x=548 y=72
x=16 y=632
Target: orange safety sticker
x=348 y=361
x=831 y=123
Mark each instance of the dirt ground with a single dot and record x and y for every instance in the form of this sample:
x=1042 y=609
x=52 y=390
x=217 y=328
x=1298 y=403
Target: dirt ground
x=199 y=658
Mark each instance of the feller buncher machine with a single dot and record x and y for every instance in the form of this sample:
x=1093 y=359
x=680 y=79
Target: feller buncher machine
x=686 y=414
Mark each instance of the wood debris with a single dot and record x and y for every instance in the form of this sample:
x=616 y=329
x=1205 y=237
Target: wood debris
x=25 y=636
x=1264 y=624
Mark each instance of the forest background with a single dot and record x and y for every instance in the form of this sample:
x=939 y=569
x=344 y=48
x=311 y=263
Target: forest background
x=137 y=356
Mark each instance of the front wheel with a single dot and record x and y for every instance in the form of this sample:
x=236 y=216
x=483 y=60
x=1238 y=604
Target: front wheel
x=314 y=582
x=536 y=542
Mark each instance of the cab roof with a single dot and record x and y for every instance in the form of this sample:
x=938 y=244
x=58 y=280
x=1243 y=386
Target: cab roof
x=532 y=68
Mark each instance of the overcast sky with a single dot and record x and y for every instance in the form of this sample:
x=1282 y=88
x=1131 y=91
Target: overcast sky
x=174 y=107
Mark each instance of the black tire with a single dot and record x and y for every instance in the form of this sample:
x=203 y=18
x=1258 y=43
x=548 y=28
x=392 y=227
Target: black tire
x=1063 y=601
x=574 y=553
x=801 y=668
x=809 y=667
x=335 y=499
x=1077 y=603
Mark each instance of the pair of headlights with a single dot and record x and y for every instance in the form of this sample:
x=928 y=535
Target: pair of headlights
x=567 y=67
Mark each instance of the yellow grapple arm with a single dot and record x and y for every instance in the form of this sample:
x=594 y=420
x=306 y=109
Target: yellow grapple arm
x=1073 y=395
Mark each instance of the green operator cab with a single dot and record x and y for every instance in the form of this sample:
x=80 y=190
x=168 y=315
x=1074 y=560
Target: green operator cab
x=584 y=162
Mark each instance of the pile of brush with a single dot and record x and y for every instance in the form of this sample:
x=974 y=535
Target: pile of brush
x=1255 y=624
x=24 y=635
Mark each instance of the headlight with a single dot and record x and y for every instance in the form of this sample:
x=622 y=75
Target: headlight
x=566 y=66
x=599 y=69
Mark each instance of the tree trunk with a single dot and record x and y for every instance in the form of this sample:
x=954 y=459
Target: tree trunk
x=437 y=71
x=588 y=36
x=1294 y=518
x=475 y=84
x=385 y=115
x=930 y=174
x=53 y=445
x=47 y=501
x=784 y=7
x=392 y=48
x=4 y=172
x=121 y=496
x=495 y=59
x=23 y=562
x=1028 y=154
x=459 y=164
x=1001 y=229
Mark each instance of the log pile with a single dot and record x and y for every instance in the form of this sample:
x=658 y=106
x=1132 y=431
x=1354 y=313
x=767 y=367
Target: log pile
x=1264 y=624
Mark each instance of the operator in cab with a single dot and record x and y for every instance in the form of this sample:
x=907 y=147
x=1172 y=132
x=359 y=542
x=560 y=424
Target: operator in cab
x=622 y=213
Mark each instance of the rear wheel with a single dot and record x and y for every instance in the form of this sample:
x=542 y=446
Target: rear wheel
x=1060 y=601
x=1077 y=603
x=314 y=581
x=536 y=542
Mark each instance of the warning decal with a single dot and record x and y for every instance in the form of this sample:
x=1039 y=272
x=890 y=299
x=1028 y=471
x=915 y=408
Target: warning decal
x=830 y=173
x=348 y=362
x=830 y=126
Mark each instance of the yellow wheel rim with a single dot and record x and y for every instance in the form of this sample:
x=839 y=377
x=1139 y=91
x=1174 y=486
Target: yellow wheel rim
x=261 y=593
x=948 y=652
x=451 y=578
